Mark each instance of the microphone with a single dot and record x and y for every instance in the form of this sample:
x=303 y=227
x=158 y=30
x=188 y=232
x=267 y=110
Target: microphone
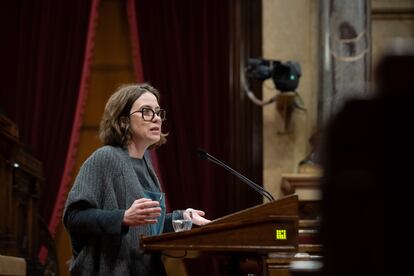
x=202 y=154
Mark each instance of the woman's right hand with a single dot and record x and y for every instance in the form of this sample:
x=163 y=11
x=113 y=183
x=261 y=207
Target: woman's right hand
x=142 y=211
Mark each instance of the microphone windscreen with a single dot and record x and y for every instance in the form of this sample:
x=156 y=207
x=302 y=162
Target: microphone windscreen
x=202 y=154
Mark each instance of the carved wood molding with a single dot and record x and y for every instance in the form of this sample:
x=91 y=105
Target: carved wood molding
x=290 y=182
x=392 y=10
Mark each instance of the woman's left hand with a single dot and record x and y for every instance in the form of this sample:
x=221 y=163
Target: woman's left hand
x=196 y=216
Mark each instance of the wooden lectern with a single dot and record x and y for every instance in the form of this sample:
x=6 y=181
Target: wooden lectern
x=269 y=228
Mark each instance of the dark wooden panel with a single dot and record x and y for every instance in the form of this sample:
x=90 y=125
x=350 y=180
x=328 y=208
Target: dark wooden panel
x=20 y=178
x=245 y=118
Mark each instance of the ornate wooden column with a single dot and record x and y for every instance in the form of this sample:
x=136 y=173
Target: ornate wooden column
x=345 y=53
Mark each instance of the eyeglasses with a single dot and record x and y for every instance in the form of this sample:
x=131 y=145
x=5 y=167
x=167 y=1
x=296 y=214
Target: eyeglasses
x=148 y=114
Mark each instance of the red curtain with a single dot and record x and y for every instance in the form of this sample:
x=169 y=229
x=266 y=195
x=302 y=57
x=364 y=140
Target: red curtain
x=185 y=55
x=138 y=70
x=43 y=69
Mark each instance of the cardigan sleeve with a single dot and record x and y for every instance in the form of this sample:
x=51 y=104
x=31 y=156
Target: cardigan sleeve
x=95 y=221
x=84 y=206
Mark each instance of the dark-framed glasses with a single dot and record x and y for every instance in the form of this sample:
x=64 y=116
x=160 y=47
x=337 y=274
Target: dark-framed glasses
x=148 y=114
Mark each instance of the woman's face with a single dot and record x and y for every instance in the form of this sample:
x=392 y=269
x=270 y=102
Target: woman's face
x=144 y=132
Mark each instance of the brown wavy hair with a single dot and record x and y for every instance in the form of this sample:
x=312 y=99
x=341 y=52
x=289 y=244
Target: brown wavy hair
x=114 y=127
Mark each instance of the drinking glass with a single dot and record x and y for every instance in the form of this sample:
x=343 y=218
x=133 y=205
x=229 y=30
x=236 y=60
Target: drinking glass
x=179 y=222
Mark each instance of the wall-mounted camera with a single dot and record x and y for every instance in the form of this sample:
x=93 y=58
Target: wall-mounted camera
x=285 y=76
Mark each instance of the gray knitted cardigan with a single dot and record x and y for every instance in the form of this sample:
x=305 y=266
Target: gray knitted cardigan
x=108 y=181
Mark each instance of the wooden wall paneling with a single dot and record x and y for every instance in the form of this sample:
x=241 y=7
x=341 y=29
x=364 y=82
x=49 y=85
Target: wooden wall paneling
x=112 y=46
x=290 y=32
x=245 y=118
x=105 y=80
